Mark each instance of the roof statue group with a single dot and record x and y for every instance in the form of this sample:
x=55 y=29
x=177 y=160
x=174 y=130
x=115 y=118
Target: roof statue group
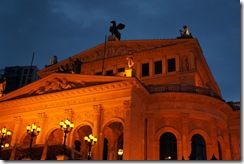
x=75 y=66
x=115 y=30
x=185 y=33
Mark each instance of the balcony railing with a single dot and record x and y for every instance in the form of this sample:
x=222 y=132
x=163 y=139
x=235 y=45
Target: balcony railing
x=182 y=88
x=234 y=105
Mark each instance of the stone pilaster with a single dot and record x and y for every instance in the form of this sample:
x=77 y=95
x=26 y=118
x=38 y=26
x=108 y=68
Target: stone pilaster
x=234 y=144
x=17 y=123
x=69 y=114
x=214 y=138
x=227 y=153
x=97 y=132
x=150 y=137
x=15 y=133
x=42 y=119
x=184 y=135
x=127 y=129
x=151 y=64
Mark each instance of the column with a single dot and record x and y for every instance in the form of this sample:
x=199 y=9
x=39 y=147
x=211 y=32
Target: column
x=17 y=123
x=42 y=118
x=151 y=69
x=214 y=138
x=150 y=138
x=227 y=153
x=97 y=149
x=69 y=114
x=234 y=144
x=40 y=138
x=184 y=135
x=177 y=63
x=164 y=65
x=127 y=129
x=138 y=69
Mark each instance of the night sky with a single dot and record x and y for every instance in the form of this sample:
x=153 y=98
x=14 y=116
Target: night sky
x=68 y=27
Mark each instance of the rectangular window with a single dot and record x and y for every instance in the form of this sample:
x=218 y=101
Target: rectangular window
x=121 y=69
x=145 y=69
x=109 y=72
x=158 y=67
x=171 y=65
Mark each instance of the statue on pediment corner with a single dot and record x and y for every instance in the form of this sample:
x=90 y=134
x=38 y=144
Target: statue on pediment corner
x=185 y=33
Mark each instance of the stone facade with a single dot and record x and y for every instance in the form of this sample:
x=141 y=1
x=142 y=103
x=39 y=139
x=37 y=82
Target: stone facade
x=171 y=91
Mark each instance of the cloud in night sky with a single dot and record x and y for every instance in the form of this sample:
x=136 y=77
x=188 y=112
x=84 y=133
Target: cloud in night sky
x=66 y=28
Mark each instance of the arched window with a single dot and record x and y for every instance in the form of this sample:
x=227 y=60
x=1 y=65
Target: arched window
x=220 y=151
x=198 y=148
x=168 y=147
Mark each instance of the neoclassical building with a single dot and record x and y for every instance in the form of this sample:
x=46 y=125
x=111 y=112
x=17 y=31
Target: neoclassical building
x=152 y=99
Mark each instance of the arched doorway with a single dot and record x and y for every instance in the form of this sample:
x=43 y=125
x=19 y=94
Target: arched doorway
x=168 y=146
x=198 y=148
x=55 y=144
x=113 y=136
x=79 y=141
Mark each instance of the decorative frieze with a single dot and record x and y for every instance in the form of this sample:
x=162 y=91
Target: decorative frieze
x=114 y=112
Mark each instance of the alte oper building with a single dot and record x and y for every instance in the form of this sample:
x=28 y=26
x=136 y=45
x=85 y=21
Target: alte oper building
x=147 y=99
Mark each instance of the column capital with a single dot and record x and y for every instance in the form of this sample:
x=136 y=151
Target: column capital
x=42 y=116
x=127 y=104
x=17 y=119
x=69 y=112
x=97 y=108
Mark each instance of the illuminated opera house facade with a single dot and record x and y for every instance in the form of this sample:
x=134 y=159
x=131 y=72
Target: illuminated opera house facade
x=147 y=99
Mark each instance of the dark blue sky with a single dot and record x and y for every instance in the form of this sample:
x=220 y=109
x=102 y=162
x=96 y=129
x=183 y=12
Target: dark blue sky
x=65 y=28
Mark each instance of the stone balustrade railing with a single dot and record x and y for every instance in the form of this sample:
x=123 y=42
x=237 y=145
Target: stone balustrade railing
x=182 y=88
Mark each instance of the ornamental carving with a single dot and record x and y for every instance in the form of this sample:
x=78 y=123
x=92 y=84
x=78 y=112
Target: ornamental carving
x=127 y=104
x=57 y=85
x=114 y=112
x=112 y=51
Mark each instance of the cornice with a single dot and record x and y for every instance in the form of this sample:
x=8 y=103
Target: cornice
x=62 y=98
x=60 y=82
x=212 y=104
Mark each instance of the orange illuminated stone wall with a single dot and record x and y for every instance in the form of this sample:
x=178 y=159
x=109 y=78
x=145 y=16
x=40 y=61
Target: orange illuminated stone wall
x=129 y=113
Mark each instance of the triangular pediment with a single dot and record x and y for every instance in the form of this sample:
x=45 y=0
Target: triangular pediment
x=113 y=49
x=60 y=82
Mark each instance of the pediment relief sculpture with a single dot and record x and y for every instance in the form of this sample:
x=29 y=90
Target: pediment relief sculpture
x=57 y=85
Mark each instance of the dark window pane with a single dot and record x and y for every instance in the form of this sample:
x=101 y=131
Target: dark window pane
x=171 y=65
x=98 y=73
x=158 y=67
x=168 y=146
x=110 y=72
x=198 y=148
x=121 y=69
x=145 y=69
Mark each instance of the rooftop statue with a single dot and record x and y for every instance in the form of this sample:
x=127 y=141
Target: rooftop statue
x=114 y=29
x=130 y=61
x=185 y=33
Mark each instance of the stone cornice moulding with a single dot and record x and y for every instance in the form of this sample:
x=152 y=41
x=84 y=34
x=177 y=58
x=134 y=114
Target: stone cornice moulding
x=216 y=107
x=64 y=98
x=73 y=80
